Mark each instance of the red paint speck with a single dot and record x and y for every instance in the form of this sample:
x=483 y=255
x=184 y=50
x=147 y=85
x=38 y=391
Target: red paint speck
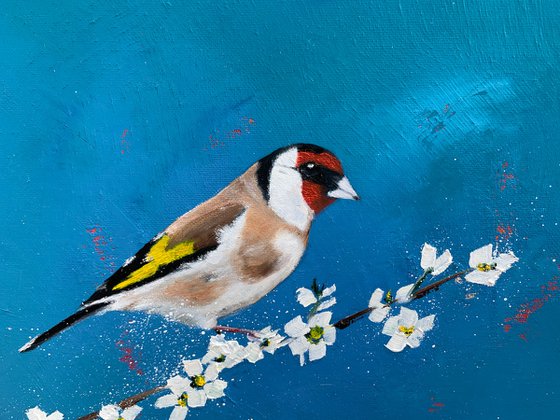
x=100 y=245
x=505 y=178
x=504 y=232
x=548 y=290
x=436 y=406
x=124 y=143
x=128 y=355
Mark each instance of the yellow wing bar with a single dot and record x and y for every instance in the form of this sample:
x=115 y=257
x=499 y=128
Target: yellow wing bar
x=158 y=256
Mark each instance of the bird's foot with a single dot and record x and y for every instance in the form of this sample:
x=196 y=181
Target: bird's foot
x=222 y=328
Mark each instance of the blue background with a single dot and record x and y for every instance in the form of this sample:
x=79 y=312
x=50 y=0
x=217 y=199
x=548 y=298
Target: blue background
x=120 y=117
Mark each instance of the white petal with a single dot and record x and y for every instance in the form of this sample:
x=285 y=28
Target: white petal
x=177 y=384
x=296 y=327
x=329 y=335
x=275 y=343
x=211 y=372
x=197 y=398
x=329 y=291
x=428 y=257
x=302 y=359
x=305 y=296
x=391 y=325
x=299 y=346
x=408 y=317
x=215 y=348
x=179 y=413
x=396 y=343
x=267 y=332
x=254 y=352
x=321 y=319
x=481 y=255
x=36 y=413
x=215 y=389
x=379 y=314
x=192 y=367
x=505 y=261
x=375 y=299
x=326 y=304
x=414 y=339
x=168 y=400
x=131 y=413
x=317 y=351
x=486 y=278
x=403 y=294
x=235 y=357
x=210 y=356
x=110 y=412
x=442 y=263
x=56 y=415
x=426 y=323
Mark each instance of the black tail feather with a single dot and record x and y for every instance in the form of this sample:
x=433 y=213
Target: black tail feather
x=61 y=326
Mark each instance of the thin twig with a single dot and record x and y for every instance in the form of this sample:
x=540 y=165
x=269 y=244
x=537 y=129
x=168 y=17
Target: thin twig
x=350 y=319
x=223 y=328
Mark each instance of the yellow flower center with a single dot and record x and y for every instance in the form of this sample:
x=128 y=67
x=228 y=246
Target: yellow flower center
x=265 y=343
x=388 y=298
x=315 y=334
x=199 y=381
x=406 y=330
x=485 y=267
x=181 y=402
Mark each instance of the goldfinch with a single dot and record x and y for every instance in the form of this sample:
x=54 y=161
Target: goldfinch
x=228 y=252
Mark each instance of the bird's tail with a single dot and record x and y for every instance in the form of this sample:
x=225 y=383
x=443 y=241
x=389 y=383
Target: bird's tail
x=61 y=326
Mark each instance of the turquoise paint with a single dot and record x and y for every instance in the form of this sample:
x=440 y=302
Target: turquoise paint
x=122 y=117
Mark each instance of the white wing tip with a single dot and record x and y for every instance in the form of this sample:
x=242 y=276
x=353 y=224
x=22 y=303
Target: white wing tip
x=27 y=345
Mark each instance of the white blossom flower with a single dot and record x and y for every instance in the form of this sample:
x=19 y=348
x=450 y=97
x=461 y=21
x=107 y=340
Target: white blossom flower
x=488 y=265
x=313 y=336
x=204 y=384
x=406 y=329
x=37 y=414
x=430 y=262
x=306 y=297
x=381 y=302
x=223 y=354
x=179 y=398
x=114 y=412
x=267 y=340
x=192 y=391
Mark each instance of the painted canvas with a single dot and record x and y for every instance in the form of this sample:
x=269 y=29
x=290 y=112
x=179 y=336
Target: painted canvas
x=248 y=210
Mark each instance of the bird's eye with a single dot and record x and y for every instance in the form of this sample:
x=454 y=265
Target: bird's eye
x=310 y=165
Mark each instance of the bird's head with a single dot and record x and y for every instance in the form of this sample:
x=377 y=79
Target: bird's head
x=299 y=181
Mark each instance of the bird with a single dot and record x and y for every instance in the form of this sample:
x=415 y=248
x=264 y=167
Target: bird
x=229 y=251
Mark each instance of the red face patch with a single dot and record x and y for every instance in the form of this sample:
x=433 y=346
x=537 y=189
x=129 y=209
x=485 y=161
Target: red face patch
x=315 y=195
x=324 y=159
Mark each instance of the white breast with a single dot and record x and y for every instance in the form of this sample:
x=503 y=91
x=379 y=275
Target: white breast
x=241 y=294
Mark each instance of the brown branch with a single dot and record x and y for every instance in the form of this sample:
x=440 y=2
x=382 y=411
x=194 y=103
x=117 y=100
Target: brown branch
x=350 y=319
x=129 y=402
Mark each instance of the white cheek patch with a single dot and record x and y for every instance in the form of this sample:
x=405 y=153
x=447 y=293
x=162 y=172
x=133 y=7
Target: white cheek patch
x=284 y=189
